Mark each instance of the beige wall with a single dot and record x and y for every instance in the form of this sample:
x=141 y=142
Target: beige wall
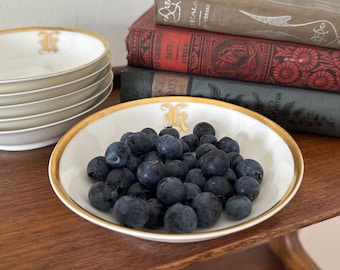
x=109 y=18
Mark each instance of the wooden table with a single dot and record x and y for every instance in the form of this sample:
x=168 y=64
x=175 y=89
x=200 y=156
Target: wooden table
x=38 y=232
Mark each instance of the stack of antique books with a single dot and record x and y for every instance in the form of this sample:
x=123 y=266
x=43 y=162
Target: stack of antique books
x=279 y=58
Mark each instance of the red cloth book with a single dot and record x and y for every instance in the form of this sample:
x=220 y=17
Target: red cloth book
x=229 y=56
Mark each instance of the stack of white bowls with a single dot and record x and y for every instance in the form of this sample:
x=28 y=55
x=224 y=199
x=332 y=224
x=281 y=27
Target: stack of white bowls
x=50 y=78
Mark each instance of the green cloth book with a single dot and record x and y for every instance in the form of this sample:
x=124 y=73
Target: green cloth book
x=294 y=109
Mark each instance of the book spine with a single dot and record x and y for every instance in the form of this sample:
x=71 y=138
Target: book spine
x=232 y=57
x=312 y=23
x=298 y=110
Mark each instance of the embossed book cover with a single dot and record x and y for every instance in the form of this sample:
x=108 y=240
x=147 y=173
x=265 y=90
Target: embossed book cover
x=315 y=22
x=199 y=52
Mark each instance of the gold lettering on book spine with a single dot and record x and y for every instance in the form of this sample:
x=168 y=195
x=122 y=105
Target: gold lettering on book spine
x=175 y=115
x=49 y=41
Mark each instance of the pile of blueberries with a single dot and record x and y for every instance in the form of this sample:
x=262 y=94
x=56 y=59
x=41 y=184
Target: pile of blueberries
x=154 y=180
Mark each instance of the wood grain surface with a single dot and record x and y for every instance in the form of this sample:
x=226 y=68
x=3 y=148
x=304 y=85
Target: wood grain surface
x=37 y=231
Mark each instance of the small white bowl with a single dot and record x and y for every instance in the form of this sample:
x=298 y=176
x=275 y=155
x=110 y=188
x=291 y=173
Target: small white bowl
x=40 y=136
x=11 y=124
x=60 y=89
x=55 y=103
x=32 y=58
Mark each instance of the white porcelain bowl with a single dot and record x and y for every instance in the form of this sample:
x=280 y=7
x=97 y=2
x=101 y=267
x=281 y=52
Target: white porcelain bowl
x=10 y=124
x=40 y=136
x=259 y=138
x=59 y=89
x=55 y=103
x=33 y=58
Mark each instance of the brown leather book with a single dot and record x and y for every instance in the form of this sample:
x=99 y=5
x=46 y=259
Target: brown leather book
x=315 y=22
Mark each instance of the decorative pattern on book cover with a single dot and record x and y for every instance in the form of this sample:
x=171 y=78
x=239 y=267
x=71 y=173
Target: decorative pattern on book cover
x=314 y=22
x=303 y=110
x=233 y=57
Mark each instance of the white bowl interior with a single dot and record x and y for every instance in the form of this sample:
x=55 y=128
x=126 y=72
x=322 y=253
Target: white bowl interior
x=47 y=52
x=53 y=56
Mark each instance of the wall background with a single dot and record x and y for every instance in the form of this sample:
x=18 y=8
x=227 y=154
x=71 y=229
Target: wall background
x=108 y=18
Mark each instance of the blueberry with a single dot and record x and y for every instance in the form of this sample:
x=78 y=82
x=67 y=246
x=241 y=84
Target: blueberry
x=102 y=195
x=150 y=172
x=231 y=176
x=177 y=168
x=140 y=191
x=228 y=144
x=189 y=158
x=191 y=140
x=117 y=154
x=249 y=167
x=131 y=211
x=234 y=159
x=208 y=209
x=125 y=136
x=220 y=186
x=134 y=161
x=170 y=131
x=214 y=162
x=197 y=177
x=208 y=138
x=153 y=140
x=169 y=147
x=150 y=131
x=238 y=207
x=180 y=218
x=140 y=143
x=186 y=147
x=191 y=190
x=170 y=190
x=203 y=128
x=152 y=155
x=157 y=211
x=121 y=179
x=248 y=186
x=97 y=168
x=203 y=149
